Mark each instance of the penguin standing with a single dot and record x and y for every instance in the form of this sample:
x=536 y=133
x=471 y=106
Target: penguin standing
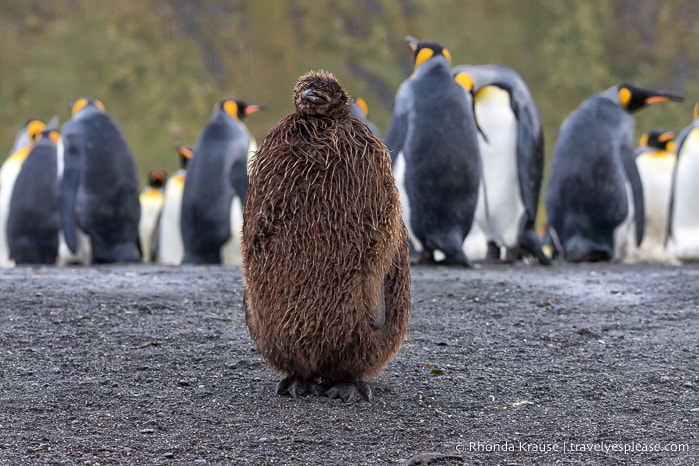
x=99 y=188
x=684 y=215
x=216 y=177
x=34 y=219
x=24 y=143
x=512 y=154
x=325 y=252
x=594 y=195
x=434 y=148
x=151 y=200
x=655 y=160
x=170 y=247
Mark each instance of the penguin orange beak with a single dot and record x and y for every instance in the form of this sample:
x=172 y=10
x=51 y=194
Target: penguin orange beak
x=656 y=100
x=252 y=108
x=665 y=97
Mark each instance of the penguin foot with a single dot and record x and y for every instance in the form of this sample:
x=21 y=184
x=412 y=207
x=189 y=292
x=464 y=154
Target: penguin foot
x=349 y=391
x=296 y=387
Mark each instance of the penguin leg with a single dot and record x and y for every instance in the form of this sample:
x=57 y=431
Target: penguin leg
x=492 y=254
x=349 y=391
x=296 y=387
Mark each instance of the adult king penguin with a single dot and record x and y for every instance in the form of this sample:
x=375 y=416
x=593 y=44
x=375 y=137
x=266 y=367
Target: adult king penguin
x=99 y=188
x=512 y=156
x=434 y=149
x=34 y=219
x=594 y=195
x=684 y=215
x=151 y=200
x=216 y=176
x=655 y=160
x=170 y=247
x=24 y=143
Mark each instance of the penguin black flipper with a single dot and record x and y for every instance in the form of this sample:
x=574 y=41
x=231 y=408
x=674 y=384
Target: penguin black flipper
x=238 y=174
x=629 y=162
x=69 y=184
x=398 y=129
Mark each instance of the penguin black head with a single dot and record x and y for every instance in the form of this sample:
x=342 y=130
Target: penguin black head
x=185 y=155
x=319 y=94
x=156 y=178
x=659 y=139
x=85 y=102
x=238 y=109
x=634 y=98
x=424 y=50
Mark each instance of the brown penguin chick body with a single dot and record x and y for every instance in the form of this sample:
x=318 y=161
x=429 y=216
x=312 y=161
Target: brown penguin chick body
x=325 y=251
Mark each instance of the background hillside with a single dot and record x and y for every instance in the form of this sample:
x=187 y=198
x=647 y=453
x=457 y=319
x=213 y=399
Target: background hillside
x=161 y=65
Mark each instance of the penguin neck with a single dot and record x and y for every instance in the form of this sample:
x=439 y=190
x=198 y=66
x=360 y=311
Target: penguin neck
x=435 y=65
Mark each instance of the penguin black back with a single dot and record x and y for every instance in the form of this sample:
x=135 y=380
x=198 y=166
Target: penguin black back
x=34 y=221
x=216 y=173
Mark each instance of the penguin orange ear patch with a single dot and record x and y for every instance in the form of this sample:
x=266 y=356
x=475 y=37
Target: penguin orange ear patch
x=34 y=128
x=644 y=140
x=446 y=53
x=696 y=110
x=465 y=80
x=231 y=108
x=625 y=97
x=78 y=105
x=99 y=104
x=363 y=105
x=423 y=55
x=671 y=147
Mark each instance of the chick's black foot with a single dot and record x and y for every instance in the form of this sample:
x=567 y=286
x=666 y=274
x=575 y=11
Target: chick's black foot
x=296 y=386
x=348 y=391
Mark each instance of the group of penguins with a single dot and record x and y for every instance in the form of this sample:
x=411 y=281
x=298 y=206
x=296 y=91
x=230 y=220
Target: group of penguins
x=467 y=151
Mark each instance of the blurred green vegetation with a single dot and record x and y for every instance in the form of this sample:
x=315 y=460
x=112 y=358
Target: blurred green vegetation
x=160 y=66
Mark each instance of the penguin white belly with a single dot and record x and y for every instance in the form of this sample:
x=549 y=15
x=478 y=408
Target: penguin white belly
x=501 y=207
x=83 y=254
x=170 y=244
x=399 y=176
x=230 y=251
x=655 y=170
x=685 y=216
x=151 y=204
x=625 y=232
x=8 y=174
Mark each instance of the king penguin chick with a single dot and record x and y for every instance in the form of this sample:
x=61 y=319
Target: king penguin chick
x=151 y=200
x=594 y=197
x=325 y=252
x=512 y=154
x=684 y=215
x=434 y=147
x=34 y=219
x=655 y=160
x=27 y=136
x=216 y=179
x=99 y=189
x=170 y=247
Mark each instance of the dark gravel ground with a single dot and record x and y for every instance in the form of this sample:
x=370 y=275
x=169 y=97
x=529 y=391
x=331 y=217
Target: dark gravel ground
x=503 y=365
